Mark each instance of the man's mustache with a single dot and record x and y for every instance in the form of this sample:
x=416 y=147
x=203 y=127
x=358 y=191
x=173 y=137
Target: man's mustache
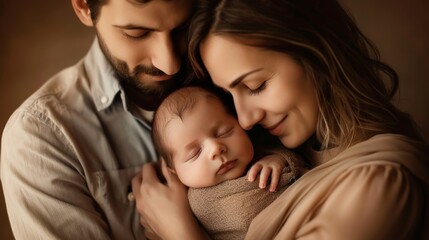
x=153 y=71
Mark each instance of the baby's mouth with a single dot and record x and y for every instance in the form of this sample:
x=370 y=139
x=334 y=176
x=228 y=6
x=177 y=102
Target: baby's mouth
x=225 y=167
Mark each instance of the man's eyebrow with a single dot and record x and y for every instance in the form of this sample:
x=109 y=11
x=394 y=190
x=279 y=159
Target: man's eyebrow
x=242 y=77
x=133 y=27
x=138 y=2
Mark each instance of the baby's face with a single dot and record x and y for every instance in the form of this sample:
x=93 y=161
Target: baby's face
x=208 y=145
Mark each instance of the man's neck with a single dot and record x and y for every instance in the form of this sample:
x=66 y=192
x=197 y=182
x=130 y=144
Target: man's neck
x=148 y=102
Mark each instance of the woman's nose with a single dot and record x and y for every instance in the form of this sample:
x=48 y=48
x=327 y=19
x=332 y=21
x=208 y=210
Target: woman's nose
x=248 y=116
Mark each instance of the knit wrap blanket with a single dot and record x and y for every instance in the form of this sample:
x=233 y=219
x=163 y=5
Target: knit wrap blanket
x=227 y=209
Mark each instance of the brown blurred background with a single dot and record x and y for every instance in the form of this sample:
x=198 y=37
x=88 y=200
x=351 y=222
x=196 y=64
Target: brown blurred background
x=39 y=38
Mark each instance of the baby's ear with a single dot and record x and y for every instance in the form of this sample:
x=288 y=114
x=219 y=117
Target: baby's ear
x=171 y=170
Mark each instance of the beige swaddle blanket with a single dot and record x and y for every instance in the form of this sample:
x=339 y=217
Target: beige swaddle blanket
x=226 y=210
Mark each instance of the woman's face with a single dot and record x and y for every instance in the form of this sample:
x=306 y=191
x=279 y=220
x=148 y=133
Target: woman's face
x=269 y=88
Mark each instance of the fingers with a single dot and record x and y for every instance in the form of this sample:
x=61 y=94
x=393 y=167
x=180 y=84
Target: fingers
x=266 y=174
x=151 y=235
x=275 y=178
x=148 y=232
x=253 y=172
x=263 y=177
x=155 y=201
x=149 y=174
x=135 y=186
x=172 y=180
x=144 y=223
x=165 y=171
x=143 y=184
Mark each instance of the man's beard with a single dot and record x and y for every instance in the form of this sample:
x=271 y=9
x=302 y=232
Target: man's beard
x=131 y=79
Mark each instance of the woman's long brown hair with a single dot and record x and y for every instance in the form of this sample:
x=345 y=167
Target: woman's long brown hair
x=354 y=87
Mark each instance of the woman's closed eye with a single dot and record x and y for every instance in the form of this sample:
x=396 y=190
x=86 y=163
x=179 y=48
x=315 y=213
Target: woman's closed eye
x=258 y=89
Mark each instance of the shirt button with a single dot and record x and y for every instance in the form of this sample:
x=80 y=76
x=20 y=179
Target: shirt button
x=104 y=100
x=131 y=197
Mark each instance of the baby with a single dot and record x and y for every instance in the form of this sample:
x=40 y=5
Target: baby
x=204 y=145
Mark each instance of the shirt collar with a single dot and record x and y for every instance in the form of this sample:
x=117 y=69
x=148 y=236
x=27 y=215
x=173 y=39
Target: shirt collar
x=105 y=86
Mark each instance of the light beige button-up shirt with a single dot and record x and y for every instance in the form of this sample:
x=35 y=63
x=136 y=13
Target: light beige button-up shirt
x=68 y=155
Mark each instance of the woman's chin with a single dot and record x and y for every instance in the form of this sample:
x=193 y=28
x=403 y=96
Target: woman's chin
x=290 y=142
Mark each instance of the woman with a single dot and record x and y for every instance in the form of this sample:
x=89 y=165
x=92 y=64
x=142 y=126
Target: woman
x=303 y=70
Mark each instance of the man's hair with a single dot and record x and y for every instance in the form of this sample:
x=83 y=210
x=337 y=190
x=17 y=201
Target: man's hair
x=175 y=105
x=95 y=6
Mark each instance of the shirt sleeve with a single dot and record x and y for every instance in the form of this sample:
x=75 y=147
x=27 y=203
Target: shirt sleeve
x=374 y=201
x=44 y=184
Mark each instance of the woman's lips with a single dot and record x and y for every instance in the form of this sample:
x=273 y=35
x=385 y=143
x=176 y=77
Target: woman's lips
x=226 y=167
x=277 y=128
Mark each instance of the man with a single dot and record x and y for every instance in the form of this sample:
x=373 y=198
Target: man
x=70 y=150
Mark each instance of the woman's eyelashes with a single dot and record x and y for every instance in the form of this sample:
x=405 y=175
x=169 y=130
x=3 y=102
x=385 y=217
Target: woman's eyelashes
x=254 y=87
x=258 y=89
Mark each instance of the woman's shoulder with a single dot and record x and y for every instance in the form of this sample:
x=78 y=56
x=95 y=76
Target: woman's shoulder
x=377 y=173
x=385 y=151
x=365 y=172
x=381 y=194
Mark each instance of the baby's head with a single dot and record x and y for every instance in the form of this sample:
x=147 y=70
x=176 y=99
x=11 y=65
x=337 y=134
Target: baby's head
x=201 y=141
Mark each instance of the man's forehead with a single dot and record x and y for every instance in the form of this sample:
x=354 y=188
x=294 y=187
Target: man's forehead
x=144 y=1
x=152 y=14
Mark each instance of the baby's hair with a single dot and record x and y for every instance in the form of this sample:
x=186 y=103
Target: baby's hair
x=174 y=106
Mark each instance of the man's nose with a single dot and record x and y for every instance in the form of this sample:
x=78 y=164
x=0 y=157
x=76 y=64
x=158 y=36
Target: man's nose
x=165 y=56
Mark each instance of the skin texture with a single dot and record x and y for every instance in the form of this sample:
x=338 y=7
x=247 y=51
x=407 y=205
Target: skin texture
x=266 y=75
x=205 y=144
x=203 y=141
x=255 y=77
x=143 y=42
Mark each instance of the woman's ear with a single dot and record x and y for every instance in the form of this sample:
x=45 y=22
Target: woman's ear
x=82 y=11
